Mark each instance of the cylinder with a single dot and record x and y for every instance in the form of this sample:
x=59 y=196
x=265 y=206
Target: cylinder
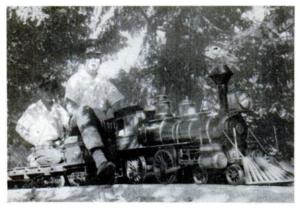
x=214 y=160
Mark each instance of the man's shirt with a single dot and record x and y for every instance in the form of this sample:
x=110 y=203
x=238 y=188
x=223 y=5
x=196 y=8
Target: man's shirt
x=97 y=93
x=39 y=125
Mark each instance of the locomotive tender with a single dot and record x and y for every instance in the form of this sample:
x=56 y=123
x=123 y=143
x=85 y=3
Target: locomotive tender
x=157 y=143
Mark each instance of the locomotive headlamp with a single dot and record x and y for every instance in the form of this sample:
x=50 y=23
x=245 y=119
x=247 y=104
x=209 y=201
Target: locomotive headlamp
x=244 y=100
x=239 y=100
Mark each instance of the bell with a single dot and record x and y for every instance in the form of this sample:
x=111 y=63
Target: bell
x=187 y=107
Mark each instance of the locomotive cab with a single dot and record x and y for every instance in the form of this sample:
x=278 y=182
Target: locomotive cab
x=127 y=121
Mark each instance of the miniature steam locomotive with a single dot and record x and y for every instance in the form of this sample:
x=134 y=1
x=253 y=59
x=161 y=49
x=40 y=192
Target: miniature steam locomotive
x=158 y=144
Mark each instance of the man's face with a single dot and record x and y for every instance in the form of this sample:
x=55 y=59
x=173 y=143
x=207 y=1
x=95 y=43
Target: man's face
x=92 y=65
x=46 y=96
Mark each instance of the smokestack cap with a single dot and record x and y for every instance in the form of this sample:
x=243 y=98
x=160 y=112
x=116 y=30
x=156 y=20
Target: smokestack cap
x=221 y=74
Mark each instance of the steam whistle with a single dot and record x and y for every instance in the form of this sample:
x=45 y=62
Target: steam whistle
x=163 y=106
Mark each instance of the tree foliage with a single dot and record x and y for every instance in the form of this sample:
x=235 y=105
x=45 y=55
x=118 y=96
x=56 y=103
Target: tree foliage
x=261 y=54
x=177 y=59
x=265 y=55
x=46 y=47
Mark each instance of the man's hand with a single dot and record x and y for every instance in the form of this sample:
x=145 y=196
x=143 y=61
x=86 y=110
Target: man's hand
x=110 y=113
x=112 y=109
x=100 y=115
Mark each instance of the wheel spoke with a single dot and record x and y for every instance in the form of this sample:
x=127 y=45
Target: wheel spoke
x=234 y=174
x=136 y=170
x=199 y=175
x=163 y=161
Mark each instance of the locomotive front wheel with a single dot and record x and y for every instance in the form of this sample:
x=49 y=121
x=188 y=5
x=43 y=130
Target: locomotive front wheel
x=235 y=175
x=163 y=166
x=61 y=182
x=200 y=176
x=136 y=170
x=256 y=153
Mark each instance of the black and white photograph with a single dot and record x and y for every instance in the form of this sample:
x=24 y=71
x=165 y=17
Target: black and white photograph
x=140 y=103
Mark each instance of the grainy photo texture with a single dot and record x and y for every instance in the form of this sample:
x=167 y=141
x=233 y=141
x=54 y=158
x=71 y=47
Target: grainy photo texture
x=150 y=104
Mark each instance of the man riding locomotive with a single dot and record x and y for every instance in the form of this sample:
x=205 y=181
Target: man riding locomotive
x=44 y=125
x=91 y=99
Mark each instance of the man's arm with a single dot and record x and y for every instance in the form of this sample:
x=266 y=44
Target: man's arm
x=111 y=109
x=74 y=92
x=71 y=106
x=114 y=99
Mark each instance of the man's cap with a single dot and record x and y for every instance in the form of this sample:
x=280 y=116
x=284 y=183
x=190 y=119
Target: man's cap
x=49 y=86
x=92 y=52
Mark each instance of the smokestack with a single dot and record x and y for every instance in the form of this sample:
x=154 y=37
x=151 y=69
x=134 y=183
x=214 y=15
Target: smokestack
x=221 y=75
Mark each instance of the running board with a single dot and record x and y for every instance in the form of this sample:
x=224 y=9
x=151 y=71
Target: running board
x=259 y=171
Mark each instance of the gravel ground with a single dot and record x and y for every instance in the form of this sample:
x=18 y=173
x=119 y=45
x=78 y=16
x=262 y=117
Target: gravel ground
x=157 y=193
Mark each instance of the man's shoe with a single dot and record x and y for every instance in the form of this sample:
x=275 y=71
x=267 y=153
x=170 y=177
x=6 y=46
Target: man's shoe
x=106 y=173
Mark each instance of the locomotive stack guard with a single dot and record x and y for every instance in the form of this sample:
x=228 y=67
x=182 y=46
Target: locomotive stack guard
x=157 y=143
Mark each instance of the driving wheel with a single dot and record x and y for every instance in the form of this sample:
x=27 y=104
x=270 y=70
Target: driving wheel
x=164 y=167
x=200 y=176
x=235 y=175
x=136 y=170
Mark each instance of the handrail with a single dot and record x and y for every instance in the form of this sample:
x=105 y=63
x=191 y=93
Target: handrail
x=228 y=138
x=257 y=140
